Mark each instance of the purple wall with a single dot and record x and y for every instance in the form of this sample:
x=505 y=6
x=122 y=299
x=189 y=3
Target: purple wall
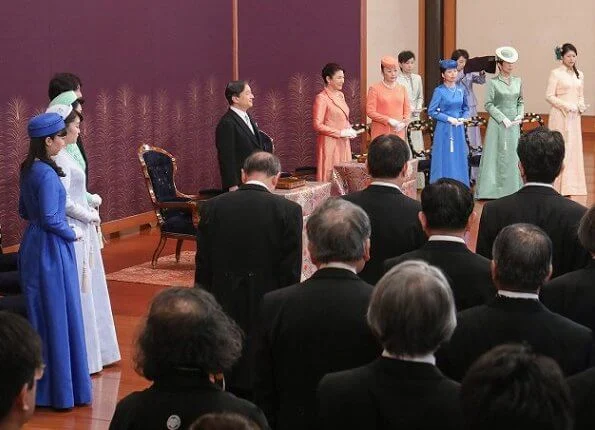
x=150 y=74
x=154 y=72
x=283 y=46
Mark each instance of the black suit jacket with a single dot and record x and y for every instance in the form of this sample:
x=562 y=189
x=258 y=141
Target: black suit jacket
x=249 y=242
x=546 y=208
x=389 y=394
x=582 y=389
x=506 y=320
x=468 y=274
x=235 y=142
x=573 y=295
x=306 y=331
x=185 y=394
x=395 y=226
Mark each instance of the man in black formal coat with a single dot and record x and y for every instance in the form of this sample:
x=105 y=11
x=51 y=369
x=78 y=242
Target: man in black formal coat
x=573 y=294
x=510 y=387
x=582 y=390
x=446 y=217
x=317 y=326
x=521 y=265
x=249 y=242
x=541 y=155
x=411 y=312
x=237 y=135
x=393 y=215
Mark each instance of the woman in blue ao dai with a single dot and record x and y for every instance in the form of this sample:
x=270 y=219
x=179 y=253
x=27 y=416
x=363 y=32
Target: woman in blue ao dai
x=449 y=109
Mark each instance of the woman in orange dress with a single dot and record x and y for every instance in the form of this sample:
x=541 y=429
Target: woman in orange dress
x=565 y=94
x=388 y=103
x=330 y=118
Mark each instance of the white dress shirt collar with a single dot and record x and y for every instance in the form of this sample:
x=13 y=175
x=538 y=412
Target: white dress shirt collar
x=446 y=238
x=429 y=358
x=338 y=265
x=255 y=182
x=244 y=115
x=538 y=184
x=385 y=184
x=518 y=295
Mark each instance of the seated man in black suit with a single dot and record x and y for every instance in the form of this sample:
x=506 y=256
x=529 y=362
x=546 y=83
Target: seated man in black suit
x=317 y=326
x=237 y=135
x=411 y=312
x=512 y=388
x=11 y=298
x=249 y=243
x=21 y=366
x=393 y=215
x=446 y=217
x=582 y=390
x=186 y=341
x=573 y=294
x=541 y=155
x=521 y=265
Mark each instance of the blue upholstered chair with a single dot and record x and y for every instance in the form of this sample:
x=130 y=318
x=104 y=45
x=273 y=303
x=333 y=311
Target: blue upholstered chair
x=176 y=212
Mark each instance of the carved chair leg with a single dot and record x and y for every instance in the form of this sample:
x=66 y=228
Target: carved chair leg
x=158 y=250
x=178 y=249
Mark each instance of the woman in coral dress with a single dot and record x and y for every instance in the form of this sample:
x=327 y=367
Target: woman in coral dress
x=565 y=94
x=330 y=119
x=387 y=103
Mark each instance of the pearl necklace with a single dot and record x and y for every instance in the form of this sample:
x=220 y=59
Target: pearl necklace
x=390 y=87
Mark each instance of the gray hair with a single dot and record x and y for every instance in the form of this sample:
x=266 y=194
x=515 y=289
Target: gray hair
x=337 y=231
x=412 y=310
x=263 y=162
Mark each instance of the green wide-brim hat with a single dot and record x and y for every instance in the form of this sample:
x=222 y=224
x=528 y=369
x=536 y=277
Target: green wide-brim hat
x=508 y=54
x=65 y=98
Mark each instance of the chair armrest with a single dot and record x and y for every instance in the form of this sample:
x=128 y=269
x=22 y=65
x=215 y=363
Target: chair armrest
x=189 y=206
x=188 y=196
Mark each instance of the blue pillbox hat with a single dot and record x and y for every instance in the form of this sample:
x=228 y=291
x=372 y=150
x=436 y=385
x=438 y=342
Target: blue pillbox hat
x=448 y=64
x=45 y=124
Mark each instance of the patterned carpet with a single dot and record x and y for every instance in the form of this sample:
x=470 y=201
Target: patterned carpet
x=167 y=272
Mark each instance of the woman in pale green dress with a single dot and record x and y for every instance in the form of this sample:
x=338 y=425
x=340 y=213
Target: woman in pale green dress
x=499 y=174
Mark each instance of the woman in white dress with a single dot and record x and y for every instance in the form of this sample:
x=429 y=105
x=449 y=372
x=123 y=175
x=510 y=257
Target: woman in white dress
x=100 y=332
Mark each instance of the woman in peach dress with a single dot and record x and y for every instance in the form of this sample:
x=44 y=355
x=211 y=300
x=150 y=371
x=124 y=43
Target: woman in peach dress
x=330 y=118
x=387 y=103
x=565 y=94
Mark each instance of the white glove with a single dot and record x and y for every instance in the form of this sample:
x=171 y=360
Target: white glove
x=453 y=121
x=78 y=232
x=518 y=117
x=401 y=125
x=507 y=123
x=95 y=219
x=349 y=132
x=393 y=122
x=95 y=200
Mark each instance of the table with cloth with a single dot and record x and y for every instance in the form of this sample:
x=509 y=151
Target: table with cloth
x=308 y=197
x=353 y=176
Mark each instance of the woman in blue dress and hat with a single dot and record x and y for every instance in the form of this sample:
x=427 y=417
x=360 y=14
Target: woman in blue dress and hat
x=499 y=174
x=48 y=269
x=449 y=108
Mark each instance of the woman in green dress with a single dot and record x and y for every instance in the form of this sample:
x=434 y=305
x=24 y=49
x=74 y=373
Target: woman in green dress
x=499 y=174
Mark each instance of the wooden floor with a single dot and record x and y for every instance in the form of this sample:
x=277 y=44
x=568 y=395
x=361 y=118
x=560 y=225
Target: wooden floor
x=129 y=304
